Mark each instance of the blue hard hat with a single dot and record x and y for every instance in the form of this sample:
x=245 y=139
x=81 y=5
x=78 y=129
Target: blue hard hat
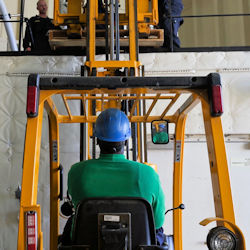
x=161 y=125
x=112 y=125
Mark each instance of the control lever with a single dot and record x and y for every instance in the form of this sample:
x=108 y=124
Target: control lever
x=181 y=206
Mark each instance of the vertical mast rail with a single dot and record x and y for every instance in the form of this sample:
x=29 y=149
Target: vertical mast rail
x=112 y=45
x=117 y=30
x=133 y=41
x=91 y=29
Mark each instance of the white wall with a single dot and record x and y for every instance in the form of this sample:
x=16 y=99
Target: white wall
x=197 y=189
x=216 y=31
x=235 y=72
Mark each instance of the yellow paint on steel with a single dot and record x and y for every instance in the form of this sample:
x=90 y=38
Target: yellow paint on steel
x=114 y=102
x=181 y=115
x=92 y=23
x=113 y=64
x=189 y=104
x=30 y=171
x=147 y=13
x=84 y=104
x=54 y=173
x=143 y=90
x=66 y=106
x=56 y=10
x=143 y=27
x=218 y=165
x=139 y=146
x=102 y=102
x=177 y=180
x=170 y=105
x=132 y=110
x=142 y=7
x=30 y=174
x=74 y=7
x=155 y=14
x=112 y=97
x=92 y=119
x=31 y=159
x=117 y=97
x=132 y=32
x=156 y=98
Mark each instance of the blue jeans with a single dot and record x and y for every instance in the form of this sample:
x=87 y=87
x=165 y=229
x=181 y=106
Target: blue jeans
x=160 y=236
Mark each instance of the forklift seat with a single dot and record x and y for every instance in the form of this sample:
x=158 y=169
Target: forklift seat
x=114 y=223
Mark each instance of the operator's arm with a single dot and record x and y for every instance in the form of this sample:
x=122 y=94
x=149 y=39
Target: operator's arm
x=73 y=183
x=27 y=41
x=150 y=187
x=159 y=206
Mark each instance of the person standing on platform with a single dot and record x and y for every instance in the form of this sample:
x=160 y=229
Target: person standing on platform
x=36 y=34
x=167 y=9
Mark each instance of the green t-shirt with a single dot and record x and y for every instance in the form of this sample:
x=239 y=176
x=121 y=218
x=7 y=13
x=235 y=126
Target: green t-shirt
x=113 y=175
x=160 y=137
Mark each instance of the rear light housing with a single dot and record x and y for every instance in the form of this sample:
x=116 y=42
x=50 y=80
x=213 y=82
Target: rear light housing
x=31 y=230
x=32 y=96
x=215 y=95
x=221 y=238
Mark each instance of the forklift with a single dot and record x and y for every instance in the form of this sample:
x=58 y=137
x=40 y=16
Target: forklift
x=114 y=83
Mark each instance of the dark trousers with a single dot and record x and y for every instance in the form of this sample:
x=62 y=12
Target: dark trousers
x=167 y=9
x=166 y=25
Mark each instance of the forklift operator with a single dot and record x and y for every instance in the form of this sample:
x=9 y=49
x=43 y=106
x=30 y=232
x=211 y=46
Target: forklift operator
x=112 y=174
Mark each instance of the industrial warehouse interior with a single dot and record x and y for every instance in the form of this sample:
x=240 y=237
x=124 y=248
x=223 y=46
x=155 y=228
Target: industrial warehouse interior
x=201 y=89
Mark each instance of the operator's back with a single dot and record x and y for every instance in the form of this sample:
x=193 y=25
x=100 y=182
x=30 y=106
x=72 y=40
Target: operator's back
x=111 y=176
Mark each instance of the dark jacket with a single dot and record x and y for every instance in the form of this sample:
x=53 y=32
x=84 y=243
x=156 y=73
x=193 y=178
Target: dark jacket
x=176 y=7
x=39 y=28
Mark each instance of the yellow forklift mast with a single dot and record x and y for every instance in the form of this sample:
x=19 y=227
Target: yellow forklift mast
x=77 y=11
x=119 y=84
x=111 y=24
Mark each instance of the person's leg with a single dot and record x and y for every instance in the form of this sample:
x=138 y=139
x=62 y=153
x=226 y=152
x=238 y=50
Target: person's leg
x=166 y=25
x=160 y=236
x=170 y=26
x=167 y=33
x=176 y=26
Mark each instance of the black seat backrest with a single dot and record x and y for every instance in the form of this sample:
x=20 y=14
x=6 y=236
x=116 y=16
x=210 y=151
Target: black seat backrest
x=86 y=220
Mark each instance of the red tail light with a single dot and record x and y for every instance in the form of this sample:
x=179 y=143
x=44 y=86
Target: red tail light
x=31 y=230
x=214 y=94
x=32 y=102
x=217 y=108
x=32 y=95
